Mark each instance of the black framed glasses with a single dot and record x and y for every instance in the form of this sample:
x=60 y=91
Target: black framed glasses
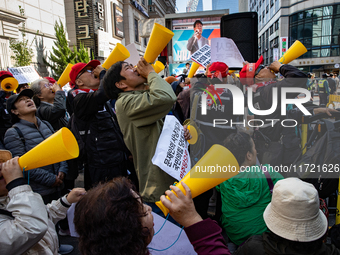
x=259 y=69
x=86 y=70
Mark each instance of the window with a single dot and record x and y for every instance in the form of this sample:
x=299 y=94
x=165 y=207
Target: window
x=271 y=2
x=136 y=31
x=145 y=41
x=271 y=29
x=143 y=2
x=267 y=9
x=276 y=24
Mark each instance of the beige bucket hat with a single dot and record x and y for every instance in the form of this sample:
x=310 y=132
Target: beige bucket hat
x=294 y=212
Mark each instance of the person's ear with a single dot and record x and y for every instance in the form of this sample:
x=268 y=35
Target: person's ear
x=79 y=82
x=249 y=156
x=15 y=112
x=121 y=85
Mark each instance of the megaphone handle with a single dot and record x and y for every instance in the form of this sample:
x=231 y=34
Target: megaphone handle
x=160 y=204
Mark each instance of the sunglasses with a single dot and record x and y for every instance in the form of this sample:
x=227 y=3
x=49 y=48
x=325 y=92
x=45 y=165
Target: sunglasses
x=259 y=69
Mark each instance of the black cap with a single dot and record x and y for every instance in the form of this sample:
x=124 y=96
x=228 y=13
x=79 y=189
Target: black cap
x=12 y=99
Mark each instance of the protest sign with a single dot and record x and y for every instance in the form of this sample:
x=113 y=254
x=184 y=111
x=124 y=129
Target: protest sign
x=134 y=55
x=171 y=153
x=225 y=50
x=202 y=56
x=24 y=74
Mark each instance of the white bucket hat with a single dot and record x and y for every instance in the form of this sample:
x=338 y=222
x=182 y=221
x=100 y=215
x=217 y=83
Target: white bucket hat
x=294 y=212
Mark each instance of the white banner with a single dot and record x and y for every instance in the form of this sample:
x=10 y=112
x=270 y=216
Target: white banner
x=225 y=50
x=24 y=74
x=172 y=155
x=202 y=56
x=275 y=54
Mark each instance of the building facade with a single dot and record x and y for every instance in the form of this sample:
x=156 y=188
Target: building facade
x=34 y=18
x=158 y=8
x=315 y=23
x=112 y=22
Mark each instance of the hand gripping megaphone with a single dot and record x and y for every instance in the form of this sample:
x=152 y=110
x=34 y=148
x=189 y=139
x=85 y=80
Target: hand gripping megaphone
x=119 y=53
x=296 y=50
x=158 y=66
x=60 y=146
x=9 y=84
x=65 y=78
x=159 y=38
x=199 y=179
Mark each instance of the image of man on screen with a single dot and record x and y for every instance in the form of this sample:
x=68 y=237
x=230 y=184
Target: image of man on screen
x=197 y=41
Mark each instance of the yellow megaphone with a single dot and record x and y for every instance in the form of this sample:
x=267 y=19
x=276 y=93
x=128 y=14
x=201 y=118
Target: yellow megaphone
x=158 y=66
x=119 y=53
x=159 y=38
x=64 y=77
x=296 y=50
x=60 y=146
x=9 y=84
x=193 y=69
x=199 y=181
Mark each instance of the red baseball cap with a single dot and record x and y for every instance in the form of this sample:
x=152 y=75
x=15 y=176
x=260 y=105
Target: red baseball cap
x=50 y=79
x=5 y=74
x=77 y=68
x=248 y=72
x=217 y=68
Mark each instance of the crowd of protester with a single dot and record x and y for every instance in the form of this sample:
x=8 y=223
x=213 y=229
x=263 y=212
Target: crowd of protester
x=117 y=118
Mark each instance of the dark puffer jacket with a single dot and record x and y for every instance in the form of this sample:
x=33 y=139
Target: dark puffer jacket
x=41 y=179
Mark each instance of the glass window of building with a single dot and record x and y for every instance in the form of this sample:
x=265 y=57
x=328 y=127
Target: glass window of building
x=136 y=31
x=271 y=2
x=267 y=8
x=318 y=29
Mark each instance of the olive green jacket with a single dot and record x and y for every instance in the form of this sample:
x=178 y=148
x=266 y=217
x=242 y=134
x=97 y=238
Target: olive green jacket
x=140 y=114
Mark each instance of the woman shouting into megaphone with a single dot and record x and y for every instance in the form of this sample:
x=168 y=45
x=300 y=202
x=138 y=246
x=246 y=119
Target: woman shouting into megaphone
x=27 y=132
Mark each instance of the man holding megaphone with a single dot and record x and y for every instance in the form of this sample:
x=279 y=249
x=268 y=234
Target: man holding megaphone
x=261 y=80
x=143 y=99
x=105 y=154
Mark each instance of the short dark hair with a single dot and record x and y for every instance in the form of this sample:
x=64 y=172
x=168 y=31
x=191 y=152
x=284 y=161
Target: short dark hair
x=111 y=77
x=14 y=118
x=108 y=220
x=197 y=21
x=239 y=144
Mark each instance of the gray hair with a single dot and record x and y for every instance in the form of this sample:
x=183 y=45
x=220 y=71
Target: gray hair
x=35 y=86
